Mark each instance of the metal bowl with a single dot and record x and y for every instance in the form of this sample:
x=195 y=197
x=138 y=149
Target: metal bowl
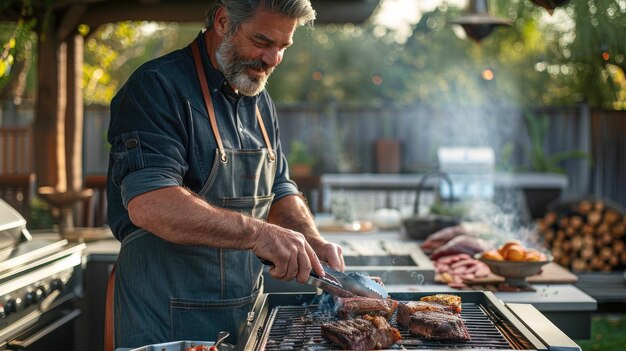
x=514 y=269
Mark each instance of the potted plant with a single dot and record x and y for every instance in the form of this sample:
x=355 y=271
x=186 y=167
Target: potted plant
x=387 y=149
x=300 y=160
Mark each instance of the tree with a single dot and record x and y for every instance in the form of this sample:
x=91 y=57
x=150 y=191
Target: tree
x=115 y=50
x=537 y=61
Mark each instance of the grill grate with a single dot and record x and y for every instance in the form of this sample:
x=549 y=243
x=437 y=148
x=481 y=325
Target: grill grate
x=298 y=328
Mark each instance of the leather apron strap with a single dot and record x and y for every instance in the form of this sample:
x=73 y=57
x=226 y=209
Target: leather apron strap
x=109 y=335
x=195 y=49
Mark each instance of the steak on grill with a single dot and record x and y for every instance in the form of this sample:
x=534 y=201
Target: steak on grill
x=361 y=334
x=405 y=310
x=450 y=302
x=436 y=325
x=348 y=307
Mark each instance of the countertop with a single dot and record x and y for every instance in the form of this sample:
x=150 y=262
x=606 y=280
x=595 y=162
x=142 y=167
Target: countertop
x=568 y=307
x=546 y=297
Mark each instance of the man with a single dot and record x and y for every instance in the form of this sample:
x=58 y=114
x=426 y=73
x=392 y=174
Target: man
x=198 y=187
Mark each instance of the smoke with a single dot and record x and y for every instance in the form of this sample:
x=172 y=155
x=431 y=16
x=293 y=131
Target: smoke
x=504 y=218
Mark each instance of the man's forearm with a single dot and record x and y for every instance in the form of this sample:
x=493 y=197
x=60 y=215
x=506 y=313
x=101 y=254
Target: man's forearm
x=292 y=212
x=177 y=215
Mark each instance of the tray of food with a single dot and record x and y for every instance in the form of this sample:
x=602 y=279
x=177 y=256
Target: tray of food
x=183 y=345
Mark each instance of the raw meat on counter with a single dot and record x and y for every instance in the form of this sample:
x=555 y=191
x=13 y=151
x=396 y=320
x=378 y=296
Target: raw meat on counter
x=466 y=244
x=361 y=334
x=348 y=307
x=436 y=325
x=454 y=269
x=441 y=237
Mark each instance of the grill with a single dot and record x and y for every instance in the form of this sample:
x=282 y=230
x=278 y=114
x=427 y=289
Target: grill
x=292 y=322
x=40 y=285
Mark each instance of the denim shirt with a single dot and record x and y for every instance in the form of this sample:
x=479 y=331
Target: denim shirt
x=160 y=133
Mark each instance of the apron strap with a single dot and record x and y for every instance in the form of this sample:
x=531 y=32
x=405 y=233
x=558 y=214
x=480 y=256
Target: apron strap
x=109 y=335
x=272 y=155
x=195 y=48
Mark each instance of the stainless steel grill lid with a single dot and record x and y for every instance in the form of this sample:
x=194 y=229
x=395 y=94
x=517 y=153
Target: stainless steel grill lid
x=12 y=226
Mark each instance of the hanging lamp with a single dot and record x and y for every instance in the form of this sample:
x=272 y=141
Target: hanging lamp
x=477 y=22
x=550 y=5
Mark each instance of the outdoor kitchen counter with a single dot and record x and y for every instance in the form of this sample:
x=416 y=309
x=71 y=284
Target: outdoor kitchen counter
x=565 y=305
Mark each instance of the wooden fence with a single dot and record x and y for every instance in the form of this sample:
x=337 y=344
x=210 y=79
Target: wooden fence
x=342 y=139
x=16 y=152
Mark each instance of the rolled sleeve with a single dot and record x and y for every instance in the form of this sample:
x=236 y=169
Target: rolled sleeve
x=148 y=140
x=283 y=189
x=146 y=180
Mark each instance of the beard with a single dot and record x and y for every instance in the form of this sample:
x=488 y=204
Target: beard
x=234 y=67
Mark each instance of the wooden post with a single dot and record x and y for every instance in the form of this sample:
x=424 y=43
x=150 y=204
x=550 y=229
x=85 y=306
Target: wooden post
x=48 y=131
x=74 y=122
x=74 y=113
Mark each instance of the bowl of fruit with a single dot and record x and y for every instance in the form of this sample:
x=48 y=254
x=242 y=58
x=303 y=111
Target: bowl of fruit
x=513 y=261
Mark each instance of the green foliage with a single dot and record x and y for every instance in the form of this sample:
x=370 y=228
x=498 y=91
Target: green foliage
x=540 y=60
x=115 y=50
x=505 y=162
x=607 y=334
x=40 y=217
x=599 y=31
x=299 y=154
x=541 y=161
x=15 y=39
x=458 y=210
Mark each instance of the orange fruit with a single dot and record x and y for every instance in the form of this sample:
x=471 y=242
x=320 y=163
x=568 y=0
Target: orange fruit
x=492 y=255
x=508 y=244
x=532 y=256
x=515 y=253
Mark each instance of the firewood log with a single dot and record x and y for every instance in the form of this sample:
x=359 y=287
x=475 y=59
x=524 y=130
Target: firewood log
x=589 y=235
x=598 y=205
x=584 y=207
x=594 y=218
x=618 y=230
x=576 y=222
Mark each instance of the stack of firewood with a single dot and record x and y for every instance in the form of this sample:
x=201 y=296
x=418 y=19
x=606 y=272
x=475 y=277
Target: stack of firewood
x=586 y=235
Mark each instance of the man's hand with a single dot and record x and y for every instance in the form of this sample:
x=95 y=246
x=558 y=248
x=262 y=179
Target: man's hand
x=291 y=212
x=289 y=251
x=330 y=253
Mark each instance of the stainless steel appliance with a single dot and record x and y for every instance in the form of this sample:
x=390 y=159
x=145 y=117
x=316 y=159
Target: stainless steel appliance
x=40 y=281
x=292 y=322
x=394 y=261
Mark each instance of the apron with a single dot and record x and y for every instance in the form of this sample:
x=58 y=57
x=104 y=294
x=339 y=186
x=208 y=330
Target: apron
x=184 y=292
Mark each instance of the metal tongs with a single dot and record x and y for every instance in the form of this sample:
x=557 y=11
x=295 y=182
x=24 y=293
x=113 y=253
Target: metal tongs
x=342 y=284
x=347 y=284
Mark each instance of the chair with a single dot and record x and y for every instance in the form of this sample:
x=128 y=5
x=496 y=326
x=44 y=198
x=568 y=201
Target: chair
x=95 y=214
x=17 y=190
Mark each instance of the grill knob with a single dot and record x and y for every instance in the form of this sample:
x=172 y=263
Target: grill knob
x=13 y=305
x=29 y=298
x=41 y=292
x=56 y=284
x=34 y=296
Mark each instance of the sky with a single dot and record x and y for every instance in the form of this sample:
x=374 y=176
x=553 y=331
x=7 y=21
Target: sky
x=400 y=14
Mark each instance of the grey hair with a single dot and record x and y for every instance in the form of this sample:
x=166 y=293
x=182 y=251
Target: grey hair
x=241 y=11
